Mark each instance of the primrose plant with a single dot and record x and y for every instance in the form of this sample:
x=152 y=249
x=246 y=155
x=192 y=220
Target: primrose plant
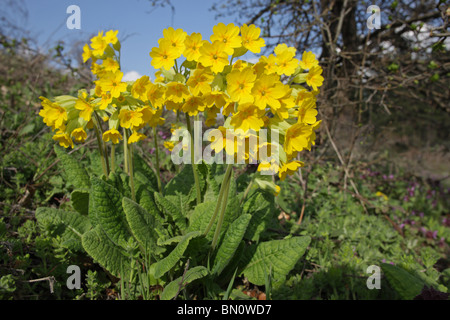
x=205 y=226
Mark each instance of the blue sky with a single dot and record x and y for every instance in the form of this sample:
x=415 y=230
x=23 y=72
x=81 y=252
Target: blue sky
x=136 y=21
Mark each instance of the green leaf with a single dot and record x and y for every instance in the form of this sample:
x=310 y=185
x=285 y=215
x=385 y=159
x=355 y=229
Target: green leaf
x=70 y=226
x=144 y=173
x=143 y=226
x=191 y=275
x=403 y=282
x=27 y=129
x=170 y=209
x=261 y=206
x=145 y=198
x=276 y=256
x=107 y=253
x=164 y=265
x=108 y=211
x=230 y=243
x=74 y=170
x=80 y=201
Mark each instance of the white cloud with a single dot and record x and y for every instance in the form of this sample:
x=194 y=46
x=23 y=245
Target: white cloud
x=131 y=76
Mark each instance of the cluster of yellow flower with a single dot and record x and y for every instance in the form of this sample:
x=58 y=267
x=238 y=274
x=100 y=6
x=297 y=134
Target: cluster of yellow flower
x=212 y=80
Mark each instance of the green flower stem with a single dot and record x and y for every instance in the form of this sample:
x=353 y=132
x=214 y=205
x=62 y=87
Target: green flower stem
x=247 y=191
x=222 y=212
x=158 y=170
x=219 y=199
x=113 y=157
x=102 y=145
x=194 y=165
x=125 y=150
x=130 y=165
x=101 y=150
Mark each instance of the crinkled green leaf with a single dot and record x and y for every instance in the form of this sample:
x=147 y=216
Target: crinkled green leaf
x=108 y=210
x=144 y=173
x=106 y=252
x=171 y=210
x=260 y=205
x=276 y=258
x=164 y=265
x=70 y=226
x=230 y=243
x=73 y=169
x=178 y=284
x=143 y=226
x=80 y=201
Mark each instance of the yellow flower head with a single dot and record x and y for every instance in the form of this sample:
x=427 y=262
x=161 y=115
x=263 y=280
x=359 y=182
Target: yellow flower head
x=289 y=169
x=79 y=135
x=99 y=45
x=177 y=92
x=53 y=114
x=240 y=84
x=136 y=137
x=155 y=94
x=111 y=37
x=314 y=78
x=86 y=109
x=192 y=44
x=297 y=138
x=228 y=35
x=112 y=82
x=110 y=65
x=307 y=112
x=193 y=105
x=248 y=117
x=139 y=88
x=200 y=81
x=267 y=90
x=63 y=139
x=164 y=56
x=87 y=53
x=112 y=135
x=169 y=145
x=130 y=119
x=213 y=55
x=308 y=60
x=175 y=39
x=250 y=38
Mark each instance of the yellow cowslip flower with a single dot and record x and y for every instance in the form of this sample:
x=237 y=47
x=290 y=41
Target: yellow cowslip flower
x=110 y=65
x=176 y=39
x=267 y=90
x=381 y=194
x=248 y=116
x=297 y=138
x=169 y=145
x=192 y=44
x=155 y=94
x=112 y=82
x=230 y=140
x=200 y=81
x=112 y=135
x=211 y=116
x=240 y=84
x=228 y=109
x=177 y=92
x=79 y=135
x=53 y=114
x=164 y=56
x=228 y=35
x=239 y=65
x=216 y=98
x=282 y=48
x=136 y=137
x=314 y=78
x=312 y=139
x=174 y=106
x=270 y=64
x=307 y=112
x=250 y=38
x=99 y=45
x=271 y=167
x=63 y=139
x=139 y=88
x=86 y=109
x=308 y=60
x=87 y=53
x=193 y=105
x=111 y=37
x=289 y=168
x=286 y=63
x=105 y=96
x=151 y=116
x=213 y=55
x=130 y=118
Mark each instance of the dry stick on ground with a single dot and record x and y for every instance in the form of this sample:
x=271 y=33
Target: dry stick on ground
x=51 y=281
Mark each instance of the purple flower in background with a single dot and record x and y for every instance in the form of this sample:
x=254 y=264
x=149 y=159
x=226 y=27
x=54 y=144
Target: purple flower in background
x=402 y=225
x=152 y=150
x=421 y=214
x=391 y=176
